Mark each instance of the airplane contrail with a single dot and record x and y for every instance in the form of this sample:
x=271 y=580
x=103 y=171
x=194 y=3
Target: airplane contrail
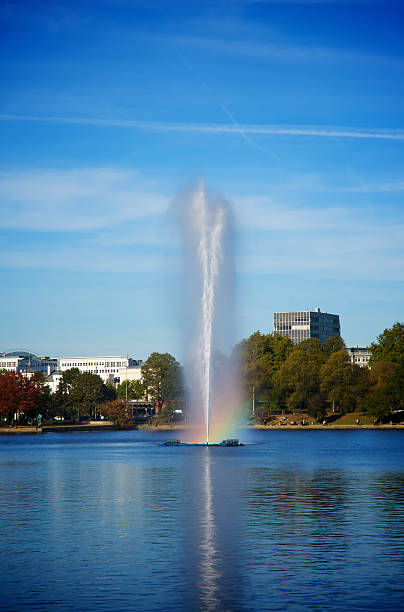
x=219 y=128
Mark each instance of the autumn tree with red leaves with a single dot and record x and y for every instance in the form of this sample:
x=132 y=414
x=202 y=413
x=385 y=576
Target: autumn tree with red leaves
x=117 y=411
x=18 y=394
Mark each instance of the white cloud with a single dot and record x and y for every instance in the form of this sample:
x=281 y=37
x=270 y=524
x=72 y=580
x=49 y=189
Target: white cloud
x=392 y=187
x=265 y=213
x=75 y=200
x=326 y=242
x=118 y=221
x=90 y=258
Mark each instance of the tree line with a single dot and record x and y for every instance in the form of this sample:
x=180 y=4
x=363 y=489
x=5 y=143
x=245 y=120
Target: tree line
x=317 y=379
x=84 y=395
x=308 y=377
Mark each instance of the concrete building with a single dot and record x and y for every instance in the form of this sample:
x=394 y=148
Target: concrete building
x=305 y=324
x=109 y=368
x=359 y=355
x=25 y=362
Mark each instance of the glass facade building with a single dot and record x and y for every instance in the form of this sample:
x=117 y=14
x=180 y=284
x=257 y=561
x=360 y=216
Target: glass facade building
x=305 y=324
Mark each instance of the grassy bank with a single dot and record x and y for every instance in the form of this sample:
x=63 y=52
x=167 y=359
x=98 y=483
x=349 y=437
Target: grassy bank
x=348 y=421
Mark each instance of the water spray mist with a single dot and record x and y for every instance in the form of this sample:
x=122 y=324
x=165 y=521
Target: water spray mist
x=206 y=223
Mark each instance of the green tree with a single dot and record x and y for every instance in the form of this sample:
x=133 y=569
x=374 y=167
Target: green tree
x=79 y=393
x=131 y=389
x=381 y=402
x=361 y=386
x=66 y=397
x=387 y=373
x=343 y=383
x=260 y=357
x=389 y=345
x=387 y=389
x=311 y=345
x=332 y=345
x=45 y=401
x=162 y=380
x=396 y=385
x=299 y=381
x=92 y=391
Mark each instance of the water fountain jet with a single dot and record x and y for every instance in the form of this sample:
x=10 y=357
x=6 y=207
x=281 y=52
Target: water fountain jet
x=207 y=231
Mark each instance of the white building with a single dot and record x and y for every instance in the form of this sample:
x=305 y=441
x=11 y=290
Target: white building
x=108 y=368
x=53 y=380
x=22 y=361
x=130 y=373
x=359 y=355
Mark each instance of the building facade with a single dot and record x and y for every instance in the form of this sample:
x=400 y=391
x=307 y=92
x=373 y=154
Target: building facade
x=130 y=373
x=53 y=380
x=305 y=324
x=359 y=355
x=23 y=361
x=108 y=368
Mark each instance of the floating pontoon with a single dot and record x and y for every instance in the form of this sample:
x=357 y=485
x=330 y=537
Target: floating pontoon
x=228 y=442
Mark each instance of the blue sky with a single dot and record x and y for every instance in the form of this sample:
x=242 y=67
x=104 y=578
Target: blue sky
x=294 y=110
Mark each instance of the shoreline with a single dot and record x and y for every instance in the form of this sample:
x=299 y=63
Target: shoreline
x=24 y=430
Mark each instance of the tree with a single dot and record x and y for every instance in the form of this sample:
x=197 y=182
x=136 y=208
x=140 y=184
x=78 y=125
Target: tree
x=66 y=396
x=44 y=401
x=299 y=381
x=18 y=394
x=380 y=403
x=311 y=345
x=79 y=393
x=162 y=380
x=131 y=389
x=396 y=385
x=343 y=383
x=117 y=412
x=260 y=357
x=387 y=373
x=332 y=345
x=387 y=389
x=389 y=345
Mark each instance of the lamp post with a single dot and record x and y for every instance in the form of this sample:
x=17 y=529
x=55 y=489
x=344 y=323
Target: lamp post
x=126 y=381
x=253 y=401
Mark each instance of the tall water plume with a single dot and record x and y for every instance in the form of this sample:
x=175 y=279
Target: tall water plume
x=207 y=231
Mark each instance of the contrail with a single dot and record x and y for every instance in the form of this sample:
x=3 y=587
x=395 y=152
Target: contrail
x=224 y=108
x=219 y=128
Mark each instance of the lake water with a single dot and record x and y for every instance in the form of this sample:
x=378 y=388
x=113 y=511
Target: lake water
x=294 y=520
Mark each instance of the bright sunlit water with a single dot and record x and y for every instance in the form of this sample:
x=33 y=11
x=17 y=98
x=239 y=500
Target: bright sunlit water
x=310 y=520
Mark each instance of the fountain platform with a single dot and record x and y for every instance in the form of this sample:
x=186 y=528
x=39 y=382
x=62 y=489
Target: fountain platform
x=228 y=442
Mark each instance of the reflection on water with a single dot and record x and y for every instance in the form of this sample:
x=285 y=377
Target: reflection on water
x=212 y=530
x=112 y=521
x=209 y=571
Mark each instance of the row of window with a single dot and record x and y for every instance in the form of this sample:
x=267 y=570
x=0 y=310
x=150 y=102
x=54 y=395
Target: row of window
x=112 y=364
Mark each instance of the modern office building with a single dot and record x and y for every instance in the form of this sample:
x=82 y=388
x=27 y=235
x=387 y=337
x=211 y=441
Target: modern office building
x=305 y=324
x=108 y=368
x=359 y=355
x=25 y=362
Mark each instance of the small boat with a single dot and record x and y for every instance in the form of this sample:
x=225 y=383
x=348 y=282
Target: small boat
x=227 y=442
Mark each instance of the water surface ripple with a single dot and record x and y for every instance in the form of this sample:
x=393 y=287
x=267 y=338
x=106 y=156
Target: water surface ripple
x=310 y=520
